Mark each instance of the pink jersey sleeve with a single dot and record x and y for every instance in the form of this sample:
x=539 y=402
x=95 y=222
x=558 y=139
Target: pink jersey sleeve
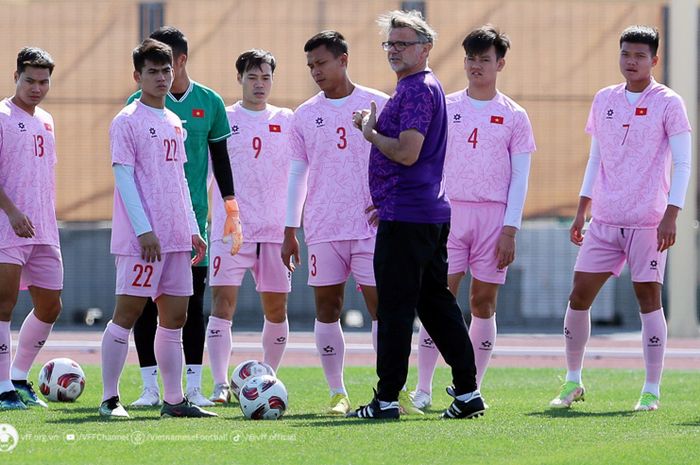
x=297 y=147
x=122 y=143
x=522 y=139
x=676 y=117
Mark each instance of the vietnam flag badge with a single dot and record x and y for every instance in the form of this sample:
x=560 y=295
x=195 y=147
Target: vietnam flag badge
x=496 y=119
x=197 y=113
x=640 y=111
x=275 y=128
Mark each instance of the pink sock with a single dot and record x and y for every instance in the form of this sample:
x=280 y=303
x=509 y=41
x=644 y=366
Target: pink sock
x=219 y=348
x=274 y=342
x=168 y=350
x=482 y=332
x=5 y=350
x=375 y=328
x=577 y=330
x=115 y=347
x=427 y=359
x=331 y=348
x=654 y=344
x=32 y=336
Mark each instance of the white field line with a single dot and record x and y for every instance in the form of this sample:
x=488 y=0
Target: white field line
x=306 y=347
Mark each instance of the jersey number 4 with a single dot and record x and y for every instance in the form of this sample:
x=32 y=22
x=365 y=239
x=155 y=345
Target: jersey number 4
x=473 y=137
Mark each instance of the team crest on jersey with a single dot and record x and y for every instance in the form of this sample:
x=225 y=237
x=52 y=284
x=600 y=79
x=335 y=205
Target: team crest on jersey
x=48 y=127
x=235 y=130
x=319 y=122
x=456 y=118
x=609 y=114
x=152 y=131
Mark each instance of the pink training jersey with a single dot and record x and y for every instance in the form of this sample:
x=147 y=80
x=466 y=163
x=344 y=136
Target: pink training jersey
x=258 y=150
x=480 y=144
x=154 y=146
x=27 y=160
x=631 y=189
x=338 y=188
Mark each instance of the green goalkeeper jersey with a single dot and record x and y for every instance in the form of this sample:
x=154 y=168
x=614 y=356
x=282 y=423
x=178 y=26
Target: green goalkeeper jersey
x=204 y=120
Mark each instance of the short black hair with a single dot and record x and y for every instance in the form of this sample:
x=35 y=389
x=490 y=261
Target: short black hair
x=333 y=40
x=255 y=58
x=154 y=51
x=35 y=57
x=481 y=39
x=640 y=34
x=172 y=36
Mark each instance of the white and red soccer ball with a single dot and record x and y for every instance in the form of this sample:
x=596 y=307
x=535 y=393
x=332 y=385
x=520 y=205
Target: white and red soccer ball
x=263 y=398
x=248 y=369
x=61 y=380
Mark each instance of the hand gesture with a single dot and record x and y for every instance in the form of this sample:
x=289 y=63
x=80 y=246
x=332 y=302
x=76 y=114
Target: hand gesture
x=232 y=226
x=150 y=247
x=200 y=248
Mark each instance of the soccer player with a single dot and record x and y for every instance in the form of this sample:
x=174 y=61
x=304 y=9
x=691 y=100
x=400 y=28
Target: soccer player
x=154 y=229
x=259 y=152
x=638 y=128
x=30 y=256
x=489 y=145
x=332 y=159
x=410 y=259
x=206 y=129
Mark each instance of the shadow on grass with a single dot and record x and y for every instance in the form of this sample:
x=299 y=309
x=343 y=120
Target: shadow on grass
x=567 y=413
x=695 y=422
x=97 y=419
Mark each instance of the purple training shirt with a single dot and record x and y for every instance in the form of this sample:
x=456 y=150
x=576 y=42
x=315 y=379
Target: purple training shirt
x=414 y=194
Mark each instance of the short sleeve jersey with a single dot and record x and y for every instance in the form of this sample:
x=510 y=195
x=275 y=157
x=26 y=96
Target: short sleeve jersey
x=632 y=185
x=203 y=115
x=258 y=150
x=154 y=146
x=480 y=144
x=415 y=193
x=27 y=161
x=338 y=156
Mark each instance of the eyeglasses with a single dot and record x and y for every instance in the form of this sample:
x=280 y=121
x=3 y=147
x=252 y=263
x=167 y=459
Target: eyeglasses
x=400 y=45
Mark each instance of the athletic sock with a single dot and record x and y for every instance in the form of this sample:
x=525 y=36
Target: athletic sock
x=330 y=344
x=577 y=331
x=482 y=332
x=274 y=342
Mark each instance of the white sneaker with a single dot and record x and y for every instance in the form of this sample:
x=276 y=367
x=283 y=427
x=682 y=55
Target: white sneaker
x=221 y=394
x=421 y=399
x=195 y=397
x=149 y=398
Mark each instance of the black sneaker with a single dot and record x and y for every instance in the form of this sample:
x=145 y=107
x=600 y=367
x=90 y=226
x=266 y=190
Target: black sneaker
x=471 y=408
x=184 y=409
x=113 y=409
x=10 y=400
x=375 y=412
x=27 y=394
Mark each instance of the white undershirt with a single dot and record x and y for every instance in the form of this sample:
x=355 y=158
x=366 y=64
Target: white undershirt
x=517 y=191
x=296 y=192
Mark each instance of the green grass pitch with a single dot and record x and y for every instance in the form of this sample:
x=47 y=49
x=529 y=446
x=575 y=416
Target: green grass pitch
x=518 y=428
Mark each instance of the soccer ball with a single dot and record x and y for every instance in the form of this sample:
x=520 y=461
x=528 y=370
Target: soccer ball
x=61 y=380
x=247 y=369
x=263 y=398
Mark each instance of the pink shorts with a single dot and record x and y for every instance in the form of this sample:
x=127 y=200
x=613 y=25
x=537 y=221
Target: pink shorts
x=264 y=260
x=471 y=246
x=606 y=248
x=170 y=276
x=330 y=263
x=42 y=265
